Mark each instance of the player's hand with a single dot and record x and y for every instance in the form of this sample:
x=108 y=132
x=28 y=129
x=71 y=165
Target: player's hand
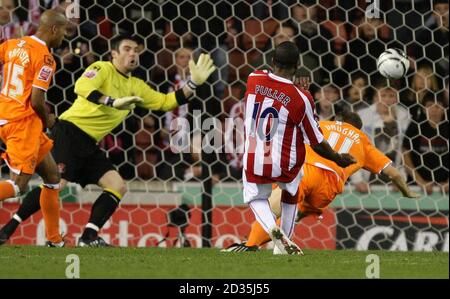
x=51 y=120
x=201 y=70
x=345 y=160
x=362 y=187
x=127 y=103
x=302 y=82
x=411 y=194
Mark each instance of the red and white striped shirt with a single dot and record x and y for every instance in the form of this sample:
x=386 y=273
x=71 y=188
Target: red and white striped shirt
x=279 y=119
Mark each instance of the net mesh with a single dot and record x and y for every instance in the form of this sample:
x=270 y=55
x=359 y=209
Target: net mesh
x=339 y=45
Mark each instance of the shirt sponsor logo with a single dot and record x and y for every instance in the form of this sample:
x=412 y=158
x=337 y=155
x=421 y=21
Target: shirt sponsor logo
x=90 y=74
x=45 y=73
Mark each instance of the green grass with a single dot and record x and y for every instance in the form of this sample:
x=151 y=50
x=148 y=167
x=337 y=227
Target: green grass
x=41 y=262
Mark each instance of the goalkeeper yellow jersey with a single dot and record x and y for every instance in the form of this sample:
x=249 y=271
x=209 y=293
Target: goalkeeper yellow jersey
x=98 y=120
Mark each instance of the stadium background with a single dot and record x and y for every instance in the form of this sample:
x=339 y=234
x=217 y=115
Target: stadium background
x=339 y=49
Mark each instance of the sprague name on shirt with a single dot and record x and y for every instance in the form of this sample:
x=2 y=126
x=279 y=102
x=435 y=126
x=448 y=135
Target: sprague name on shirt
x=21 y=54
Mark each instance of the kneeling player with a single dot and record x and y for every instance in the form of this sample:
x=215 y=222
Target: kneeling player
x=323 y=179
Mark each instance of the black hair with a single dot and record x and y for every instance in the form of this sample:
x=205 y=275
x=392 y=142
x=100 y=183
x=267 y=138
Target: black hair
x=349 y=117
x=286 y=55
x=440 y=2
x=116 y=41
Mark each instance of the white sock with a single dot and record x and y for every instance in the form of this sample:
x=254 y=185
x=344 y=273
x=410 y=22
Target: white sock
x=263 y=213
x=288 y=213
x=92 y=226
x=17 y=218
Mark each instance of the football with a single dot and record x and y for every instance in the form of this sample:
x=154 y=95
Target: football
x=393 y=63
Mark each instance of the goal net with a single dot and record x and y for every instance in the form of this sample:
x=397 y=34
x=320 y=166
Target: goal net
x=194 y=197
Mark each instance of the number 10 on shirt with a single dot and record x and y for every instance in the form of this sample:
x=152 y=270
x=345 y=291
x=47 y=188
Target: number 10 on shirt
x=265 y=129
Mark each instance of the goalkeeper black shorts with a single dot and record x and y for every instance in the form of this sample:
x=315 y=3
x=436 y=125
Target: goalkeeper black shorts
x=77 y=155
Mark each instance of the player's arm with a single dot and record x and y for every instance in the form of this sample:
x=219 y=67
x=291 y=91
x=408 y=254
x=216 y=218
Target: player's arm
x=412 y=171
x=314 y=137
x=154 y=100
x=377 y=162
x=396 y=178
x=408 y=146
x=158 y=101
x=324 y=149
x=2 y=52
x=411 y=132
x=38 y=105
x=410 y=168
x=89 y=86
x=45 y=67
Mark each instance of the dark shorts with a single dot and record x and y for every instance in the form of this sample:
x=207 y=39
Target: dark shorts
x=77 y=155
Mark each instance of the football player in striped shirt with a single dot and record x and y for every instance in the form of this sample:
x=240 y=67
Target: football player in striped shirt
x=279 y=120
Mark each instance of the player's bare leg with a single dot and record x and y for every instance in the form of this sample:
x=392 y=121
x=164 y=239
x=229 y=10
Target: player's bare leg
x=114 y=189
x=29 y=206
x=15 y=186
x=22 y=180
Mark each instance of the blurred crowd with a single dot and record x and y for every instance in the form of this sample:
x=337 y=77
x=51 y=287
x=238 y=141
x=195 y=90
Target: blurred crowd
x=406 y=118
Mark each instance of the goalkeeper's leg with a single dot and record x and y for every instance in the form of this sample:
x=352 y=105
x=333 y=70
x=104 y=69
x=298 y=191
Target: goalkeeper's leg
x=104 y=207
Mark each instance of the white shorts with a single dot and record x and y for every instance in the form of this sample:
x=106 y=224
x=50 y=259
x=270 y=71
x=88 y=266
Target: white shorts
x=254 y=191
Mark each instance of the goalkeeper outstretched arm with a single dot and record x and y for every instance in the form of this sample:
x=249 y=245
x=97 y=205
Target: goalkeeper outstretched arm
x=148 y=98
x=154 y=100
x=91 y=88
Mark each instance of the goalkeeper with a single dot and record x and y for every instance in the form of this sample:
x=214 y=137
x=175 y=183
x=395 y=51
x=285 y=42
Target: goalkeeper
x=106 y=94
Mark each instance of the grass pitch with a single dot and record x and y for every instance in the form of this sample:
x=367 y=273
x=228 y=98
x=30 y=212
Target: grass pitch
x=41 y=262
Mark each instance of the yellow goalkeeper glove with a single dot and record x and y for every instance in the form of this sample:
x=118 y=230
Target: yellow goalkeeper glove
x=200 y=71
x=125 y=103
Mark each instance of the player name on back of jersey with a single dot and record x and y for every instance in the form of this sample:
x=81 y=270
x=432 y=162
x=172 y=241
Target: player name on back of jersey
x=274 y=94
x=21 y=54
x=337 y=127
